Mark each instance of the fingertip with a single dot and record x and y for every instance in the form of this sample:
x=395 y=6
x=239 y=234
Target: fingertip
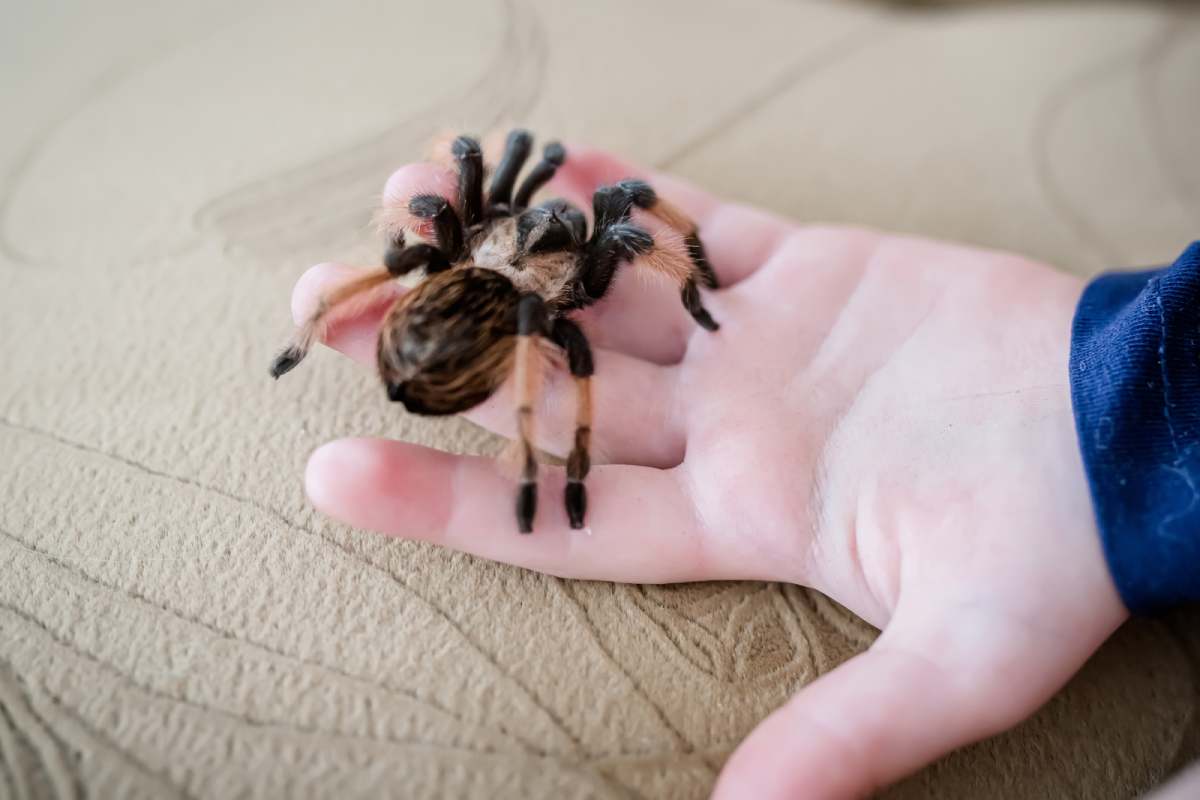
x=323 y=475
x=394 y=217
x=354 y=332
x=739 y=777
x=390 y=487
x=419 y=178
x=316 y=280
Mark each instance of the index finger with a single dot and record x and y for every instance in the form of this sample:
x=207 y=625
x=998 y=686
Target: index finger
x=641 y=524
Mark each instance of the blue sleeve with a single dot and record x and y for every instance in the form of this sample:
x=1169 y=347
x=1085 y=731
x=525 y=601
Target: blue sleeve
x=1135 y=388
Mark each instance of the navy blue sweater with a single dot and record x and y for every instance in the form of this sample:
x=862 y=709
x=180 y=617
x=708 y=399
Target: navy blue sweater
x=1135 y=387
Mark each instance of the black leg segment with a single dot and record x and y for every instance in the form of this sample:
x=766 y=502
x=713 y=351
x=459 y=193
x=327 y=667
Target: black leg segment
x=618 y=243
x=552 y=158
x=526 y=506
x=610 y=205
x=401 y=260
x=569 y=336
x=470 y=178
x=516 y=152
x=691 y=301
x=699 y=257
x=644 y=197
x=446 y=224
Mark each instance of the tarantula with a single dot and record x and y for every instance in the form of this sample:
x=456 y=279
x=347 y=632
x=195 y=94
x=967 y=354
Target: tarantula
x=499 y=274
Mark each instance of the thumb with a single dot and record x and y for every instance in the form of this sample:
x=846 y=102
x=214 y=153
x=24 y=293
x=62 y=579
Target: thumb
x=919 y=692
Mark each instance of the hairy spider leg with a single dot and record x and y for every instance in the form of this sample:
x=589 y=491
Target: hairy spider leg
x=553 y=156
x=615 y=240
x=400 y=260
x=516 y=153
x=645 y=198
x=527 y=365
x=350 y=297
x=610 y=246
x=569 y=336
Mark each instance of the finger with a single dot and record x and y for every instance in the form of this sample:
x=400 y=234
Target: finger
x=738 y=238
x=357 y=336
x=641 y=527
x=914 y=696
x=644 y=317
x=586 y=169
x=646 y=433
x=407 y=182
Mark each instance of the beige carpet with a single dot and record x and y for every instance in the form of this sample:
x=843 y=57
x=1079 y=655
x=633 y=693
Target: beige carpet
x=174 y=619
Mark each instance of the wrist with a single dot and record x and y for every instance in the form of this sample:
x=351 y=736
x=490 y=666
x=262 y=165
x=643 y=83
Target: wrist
x=1137 y=409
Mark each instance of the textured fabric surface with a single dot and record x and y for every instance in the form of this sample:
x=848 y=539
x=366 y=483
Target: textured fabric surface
x=1136 y=393
x=176 y=621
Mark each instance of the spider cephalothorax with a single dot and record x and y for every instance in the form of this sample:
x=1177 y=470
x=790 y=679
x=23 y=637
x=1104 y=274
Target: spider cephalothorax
x=499 y=274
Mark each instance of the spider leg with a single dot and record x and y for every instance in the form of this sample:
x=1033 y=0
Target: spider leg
x=446 y=224
x=400 y=260
x=345 y=299
x=607 y=250
x=516 y=153
x=690 y=294
x=611 y=205
x=615 y=239
x=568 y=335
x=644 y=197
x=531 y=321
x=470 y=178
x=552 y=158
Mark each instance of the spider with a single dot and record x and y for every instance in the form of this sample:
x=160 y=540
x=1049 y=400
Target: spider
x=499 y=274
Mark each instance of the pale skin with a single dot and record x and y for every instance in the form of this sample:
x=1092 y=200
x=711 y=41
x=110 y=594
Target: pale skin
x=886 y=419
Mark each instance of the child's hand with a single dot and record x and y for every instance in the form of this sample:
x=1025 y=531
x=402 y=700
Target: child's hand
x=885 y=419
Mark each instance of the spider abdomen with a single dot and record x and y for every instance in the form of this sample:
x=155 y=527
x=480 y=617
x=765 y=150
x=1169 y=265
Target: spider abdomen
x=448 y=344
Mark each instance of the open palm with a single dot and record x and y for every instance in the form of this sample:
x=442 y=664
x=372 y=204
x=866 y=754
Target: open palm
x=886 y=419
